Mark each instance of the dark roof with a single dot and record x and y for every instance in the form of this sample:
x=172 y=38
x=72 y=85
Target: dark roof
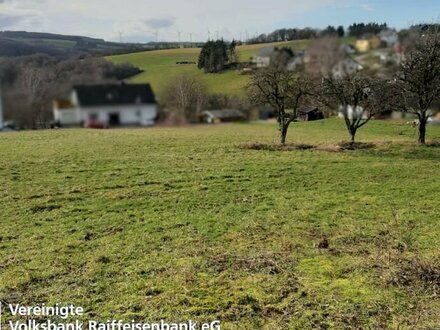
x=95 y=95
x=307 y=109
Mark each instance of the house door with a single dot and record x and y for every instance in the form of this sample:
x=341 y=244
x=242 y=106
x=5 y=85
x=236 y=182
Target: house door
x=114 y=119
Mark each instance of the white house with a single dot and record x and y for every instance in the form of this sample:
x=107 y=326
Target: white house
x=347 y=66
x=264 y=57
x=351 y=113
x=389 y=37
x=107 y=106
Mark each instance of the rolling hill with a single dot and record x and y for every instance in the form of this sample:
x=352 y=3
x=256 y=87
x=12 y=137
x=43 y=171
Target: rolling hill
x=160 y=66
x=21 y=43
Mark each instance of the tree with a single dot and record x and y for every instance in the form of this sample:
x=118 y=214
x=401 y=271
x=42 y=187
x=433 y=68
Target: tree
x=186 y=96
x=324 y=54
x=340 y=31
x=359 y=29
x=214 y=56
x=418 y=82
x=281 y=89
x=232 y=52
x=329 y=31
x=358 y=97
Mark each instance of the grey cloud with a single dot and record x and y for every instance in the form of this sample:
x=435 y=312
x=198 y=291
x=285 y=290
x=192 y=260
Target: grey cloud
x=11 y=20
x=159 y=23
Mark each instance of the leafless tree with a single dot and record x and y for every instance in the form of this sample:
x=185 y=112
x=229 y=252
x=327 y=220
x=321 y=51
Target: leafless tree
x=358 y=97
x=186 y=95
x=418 y=82
x=323 y=55
x=285 y=91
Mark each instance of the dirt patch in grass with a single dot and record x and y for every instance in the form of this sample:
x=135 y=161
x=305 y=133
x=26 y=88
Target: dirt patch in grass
x=343 y=146
x=276 y=147
x=271 y=263
x=412 y=272
x=434 y=144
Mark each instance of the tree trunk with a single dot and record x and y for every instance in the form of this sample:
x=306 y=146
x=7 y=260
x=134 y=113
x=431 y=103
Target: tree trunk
x=422 y=131
x=352 y=134
x=284 y=128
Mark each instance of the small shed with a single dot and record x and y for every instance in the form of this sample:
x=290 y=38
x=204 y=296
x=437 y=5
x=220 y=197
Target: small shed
x=310 y=113
x=222 y=116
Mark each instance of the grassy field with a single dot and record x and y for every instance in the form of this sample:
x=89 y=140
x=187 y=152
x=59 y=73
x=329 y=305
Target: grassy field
x=181 y=223
x=160 y=67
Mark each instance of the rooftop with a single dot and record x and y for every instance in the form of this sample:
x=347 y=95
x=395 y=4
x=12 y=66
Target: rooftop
x=112 y=94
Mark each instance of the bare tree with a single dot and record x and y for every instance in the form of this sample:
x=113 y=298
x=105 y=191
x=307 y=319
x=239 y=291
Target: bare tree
x=358 y=97
x=418 y=82
x=324 y=54
x=281 y=89
x=186 y=95
x=34 y=83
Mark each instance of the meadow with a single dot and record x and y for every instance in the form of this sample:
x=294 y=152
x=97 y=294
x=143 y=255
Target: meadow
x=182 y=223
x=160 y=67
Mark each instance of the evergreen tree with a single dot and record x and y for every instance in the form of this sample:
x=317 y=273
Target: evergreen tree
x=340 y=31
x=214 y=56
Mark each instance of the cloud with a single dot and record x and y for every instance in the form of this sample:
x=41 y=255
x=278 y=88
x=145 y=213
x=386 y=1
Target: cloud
x=228 y=18
x=367 y=6
x=159 y=23
x=10 y=20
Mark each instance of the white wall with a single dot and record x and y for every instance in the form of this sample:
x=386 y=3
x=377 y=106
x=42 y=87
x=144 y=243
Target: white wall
x=139 y=114
x=67 y=117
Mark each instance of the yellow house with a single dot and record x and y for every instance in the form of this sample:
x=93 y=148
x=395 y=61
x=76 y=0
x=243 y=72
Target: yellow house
x=362 y=45
x=367 y=44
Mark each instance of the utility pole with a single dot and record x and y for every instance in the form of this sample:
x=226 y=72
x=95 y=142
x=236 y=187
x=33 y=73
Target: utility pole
x=120 y=37
x=179 y=33
x=209 y=35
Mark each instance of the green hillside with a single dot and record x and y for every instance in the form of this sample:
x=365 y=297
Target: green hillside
x=160 y=67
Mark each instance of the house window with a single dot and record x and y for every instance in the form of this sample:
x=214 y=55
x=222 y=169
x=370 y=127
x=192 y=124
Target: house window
x=93 y=117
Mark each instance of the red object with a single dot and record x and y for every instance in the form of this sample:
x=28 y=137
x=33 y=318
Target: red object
x=94 y=125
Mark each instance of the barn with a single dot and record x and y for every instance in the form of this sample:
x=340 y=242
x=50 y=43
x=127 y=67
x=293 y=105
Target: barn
x=310 y=114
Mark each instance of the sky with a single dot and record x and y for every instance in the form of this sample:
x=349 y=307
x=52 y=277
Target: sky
x=196 y=20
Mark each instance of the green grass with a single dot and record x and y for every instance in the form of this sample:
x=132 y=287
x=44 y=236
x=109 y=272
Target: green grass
x=181 y=223
x=160 y=67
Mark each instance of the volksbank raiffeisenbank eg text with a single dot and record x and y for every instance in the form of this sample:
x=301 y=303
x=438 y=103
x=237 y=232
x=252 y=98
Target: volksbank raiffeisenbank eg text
x=57 y=317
